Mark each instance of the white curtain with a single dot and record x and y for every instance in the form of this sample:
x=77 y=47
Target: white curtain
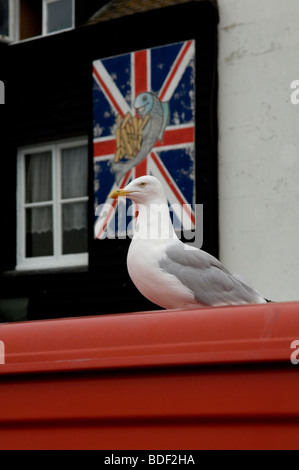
x=39 y=189
x=74 y=216
x=74 y=177
x=39 y=220
x=74 y=172
x=39 y=177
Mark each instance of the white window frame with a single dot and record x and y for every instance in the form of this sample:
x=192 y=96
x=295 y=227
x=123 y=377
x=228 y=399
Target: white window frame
x=12 y=22
x=58 y=260
x=45 y=18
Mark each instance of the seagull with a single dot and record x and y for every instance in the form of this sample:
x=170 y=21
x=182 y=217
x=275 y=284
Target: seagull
x=168 y=272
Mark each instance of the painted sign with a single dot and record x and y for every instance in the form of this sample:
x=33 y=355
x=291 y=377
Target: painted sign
x=144 y=123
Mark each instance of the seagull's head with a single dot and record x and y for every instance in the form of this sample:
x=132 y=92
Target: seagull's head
x=143 y=190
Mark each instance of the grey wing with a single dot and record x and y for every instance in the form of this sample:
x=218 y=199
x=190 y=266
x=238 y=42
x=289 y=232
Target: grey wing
x=211 y=283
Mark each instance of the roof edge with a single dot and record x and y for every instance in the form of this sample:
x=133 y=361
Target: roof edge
x=116 y=9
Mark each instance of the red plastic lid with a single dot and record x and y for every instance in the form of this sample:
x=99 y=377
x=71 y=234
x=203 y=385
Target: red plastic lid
x=152 y=339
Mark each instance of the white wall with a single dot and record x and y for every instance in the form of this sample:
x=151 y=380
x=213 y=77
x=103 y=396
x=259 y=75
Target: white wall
x=259 y=143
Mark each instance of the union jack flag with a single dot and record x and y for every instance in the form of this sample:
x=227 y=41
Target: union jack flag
x=166 y=73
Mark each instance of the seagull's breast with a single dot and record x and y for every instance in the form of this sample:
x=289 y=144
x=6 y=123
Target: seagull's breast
x=152 y=281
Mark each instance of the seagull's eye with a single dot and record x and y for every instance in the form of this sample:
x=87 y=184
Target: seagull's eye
x=142 y=185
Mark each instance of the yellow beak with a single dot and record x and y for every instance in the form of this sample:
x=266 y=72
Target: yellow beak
x=118 y=193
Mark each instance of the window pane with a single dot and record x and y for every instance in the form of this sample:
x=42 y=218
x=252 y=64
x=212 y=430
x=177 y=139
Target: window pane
x=30 y=18
x=38 y=177
x=74 y=162
x=60 y=15
x=4 y=15
x=39 y=232
x=74 y=222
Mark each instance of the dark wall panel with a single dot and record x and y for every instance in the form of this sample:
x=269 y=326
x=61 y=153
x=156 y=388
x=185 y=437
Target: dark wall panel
x=48 y=97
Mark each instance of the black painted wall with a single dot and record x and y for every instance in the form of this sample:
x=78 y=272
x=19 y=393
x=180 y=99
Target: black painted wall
x=48 y=97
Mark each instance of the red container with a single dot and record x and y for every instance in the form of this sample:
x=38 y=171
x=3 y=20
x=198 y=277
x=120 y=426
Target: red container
x=182 y=380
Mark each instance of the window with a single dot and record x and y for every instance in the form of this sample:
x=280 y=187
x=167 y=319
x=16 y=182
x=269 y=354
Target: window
x=7 y=15
x=4 y=18
x=58 y=15
x=52 y=205
x=30 y=18
x=35 y=18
